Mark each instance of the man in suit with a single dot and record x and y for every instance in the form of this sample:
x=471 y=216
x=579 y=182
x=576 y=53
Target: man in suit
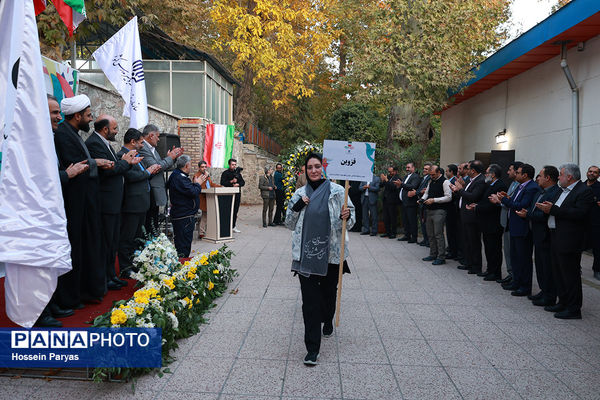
x=408 y=199
x=547 y=180
x=436 y=199
x=390 y=201
x=471 y=193
x=86 y=281
x=232 y=177
x=421 y=207
x=207 y=184
x=512 y=172
x=136 y=201
x=593 y=233
x=521 y=241
x=452 y=232
x=370 y=193
x=279 y=194
x=158 y=194
x=111 y=191
x=488 y=218
x=567 y=217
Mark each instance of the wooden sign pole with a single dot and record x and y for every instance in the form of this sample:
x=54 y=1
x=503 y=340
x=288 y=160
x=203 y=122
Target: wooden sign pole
x=342 y=250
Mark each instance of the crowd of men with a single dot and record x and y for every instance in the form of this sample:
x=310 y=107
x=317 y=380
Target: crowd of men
x=550 y=218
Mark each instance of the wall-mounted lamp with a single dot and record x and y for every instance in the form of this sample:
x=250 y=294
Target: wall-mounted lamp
x=501 y=137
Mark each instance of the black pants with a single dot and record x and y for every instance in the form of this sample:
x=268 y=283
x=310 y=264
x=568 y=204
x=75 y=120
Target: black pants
x=409 y=220
x=279 y=216
x=151 y=223
x=594 y=241
x=318 y=304
x=472 y=248
x=521 y=249
x=110 y=242
x=131 y=230
x=566 y=269
x=492 y=244
x=390 y=218
x=543 y=268
x=423 y=221
x=452 y=231
x=183 y=231
x=236 y=207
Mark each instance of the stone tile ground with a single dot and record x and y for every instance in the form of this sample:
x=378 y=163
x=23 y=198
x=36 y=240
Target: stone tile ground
x=409 y=330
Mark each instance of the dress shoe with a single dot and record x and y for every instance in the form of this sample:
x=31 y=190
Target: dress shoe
x=80 y=306
x=264 y=224
x=412 y=241
x=119 y=282
x=536 y=296
x=58 y=312
x=48 y=322
x=271 y=224
x=112 y=285
x=490 y=277
x=508 y=284
x=483 y=274
x=555 y=308
x=568 y=314
x=404 y=239
x=392 y=237
x=463 y=267
x=543 y=302
x=384 y=235
x=373 y=234
x=364 y=233
x=506 y=279
x=428 y=258
x=450 y=257
x=438 y=261
x=424 y=244
x=520 y=292
x=473 y=271
x=511 y=288
x=597 y=275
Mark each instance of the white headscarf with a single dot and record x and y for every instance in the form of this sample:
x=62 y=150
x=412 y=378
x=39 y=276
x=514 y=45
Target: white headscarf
x=72 y=105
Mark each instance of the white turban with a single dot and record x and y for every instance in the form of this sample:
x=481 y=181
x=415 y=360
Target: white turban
x=72 y=105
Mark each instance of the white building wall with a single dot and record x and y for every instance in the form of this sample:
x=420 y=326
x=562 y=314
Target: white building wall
x=535 y=109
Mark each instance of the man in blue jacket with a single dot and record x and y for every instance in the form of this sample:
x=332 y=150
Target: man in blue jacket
x=521 y=242
x=185 y=202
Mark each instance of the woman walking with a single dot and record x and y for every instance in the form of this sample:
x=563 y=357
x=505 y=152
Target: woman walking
x=267 y=192
x=315 y=213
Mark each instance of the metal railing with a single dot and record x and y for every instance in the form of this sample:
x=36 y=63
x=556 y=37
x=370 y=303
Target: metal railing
x=254 y=136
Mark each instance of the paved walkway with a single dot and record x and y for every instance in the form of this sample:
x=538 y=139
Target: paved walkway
x=408 y=330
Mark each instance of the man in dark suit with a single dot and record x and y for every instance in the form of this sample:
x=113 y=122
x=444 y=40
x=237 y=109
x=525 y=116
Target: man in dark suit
x=593 y=233
x=408 y=199
x=136 y=201
x=390 y=201
x=452 y=216
x=541 y=236
x=566 y=220
x=85 y=282
x=421 y=208
x=521 y=242
x=111 y=191
x=488 y=218
x=512 y=173
x=370 y=194
x=471 y=193
x=158 y=193
x=232 y=177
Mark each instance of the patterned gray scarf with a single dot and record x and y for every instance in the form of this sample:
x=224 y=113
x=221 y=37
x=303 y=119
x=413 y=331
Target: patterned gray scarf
x=316 y=231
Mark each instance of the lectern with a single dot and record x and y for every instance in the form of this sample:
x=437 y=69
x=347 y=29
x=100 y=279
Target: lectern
x=219 y=213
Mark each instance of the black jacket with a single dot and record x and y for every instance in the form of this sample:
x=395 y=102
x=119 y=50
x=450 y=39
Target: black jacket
x=413 y=183
x=136 y=190
x=184 y=194
x=111 y=180
x=488 y=213
x=228 y=175
x=390 y=191
x=539 y=219
x=571 y=218
x=472 y=193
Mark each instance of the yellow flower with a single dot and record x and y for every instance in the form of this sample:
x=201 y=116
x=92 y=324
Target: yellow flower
x=214 y=253
x=139 y=310
x=193 y=270
x=191 y=275
x=169 y=283
x=197 y=301
x=204 y=260
x=141 y=296
x=118 y=317
x=186 y=263
x=216 y=271
x=210 y=285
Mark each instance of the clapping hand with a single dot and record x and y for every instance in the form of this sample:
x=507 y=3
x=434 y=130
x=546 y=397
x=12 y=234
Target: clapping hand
x=383 y=178
x=77 y=168
x=522 y=213
x=175 y=152
x=471 y=206
x=502 y=195
x=428 y=202
x=398 y=183
x=201 y=179
x=153 y=169
x=412 y=193
x=494 y=198
x=104 y=164
x=545 y=206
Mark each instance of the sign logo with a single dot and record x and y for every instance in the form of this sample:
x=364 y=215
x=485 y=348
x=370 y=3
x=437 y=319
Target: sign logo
x=219 y=145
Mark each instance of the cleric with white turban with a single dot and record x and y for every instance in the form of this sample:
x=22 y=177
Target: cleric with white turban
x=75 y=104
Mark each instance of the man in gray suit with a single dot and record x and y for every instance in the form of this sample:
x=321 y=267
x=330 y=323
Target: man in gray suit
x=370 y=193
x=512 y=173
x=158 y=194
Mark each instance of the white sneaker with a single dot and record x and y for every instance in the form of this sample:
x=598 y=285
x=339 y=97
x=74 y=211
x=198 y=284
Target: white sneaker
x=236 y=230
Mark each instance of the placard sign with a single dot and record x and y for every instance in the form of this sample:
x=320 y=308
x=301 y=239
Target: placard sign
x=352 y=161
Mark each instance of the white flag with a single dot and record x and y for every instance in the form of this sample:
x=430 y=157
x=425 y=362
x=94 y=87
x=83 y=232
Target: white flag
x=33 y=226
x=120 y=57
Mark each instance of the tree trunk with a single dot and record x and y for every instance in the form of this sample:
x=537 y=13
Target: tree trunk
x=408 y=126
x=242 y=114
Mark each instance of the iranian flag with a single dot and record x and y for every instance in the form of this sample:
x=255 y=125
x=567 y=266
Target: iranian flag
x=218 y=145
x=72 y=12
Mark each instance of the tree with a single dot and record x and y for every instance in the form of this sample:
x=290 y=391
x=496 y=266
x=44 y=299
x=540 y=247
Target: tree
x=414 y=52
x=277 y=43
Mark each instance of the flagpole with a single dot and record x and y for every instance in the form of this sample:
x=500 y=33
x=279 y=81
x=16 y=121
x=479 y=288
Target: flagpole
x=342 y=251
x=73 y=53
